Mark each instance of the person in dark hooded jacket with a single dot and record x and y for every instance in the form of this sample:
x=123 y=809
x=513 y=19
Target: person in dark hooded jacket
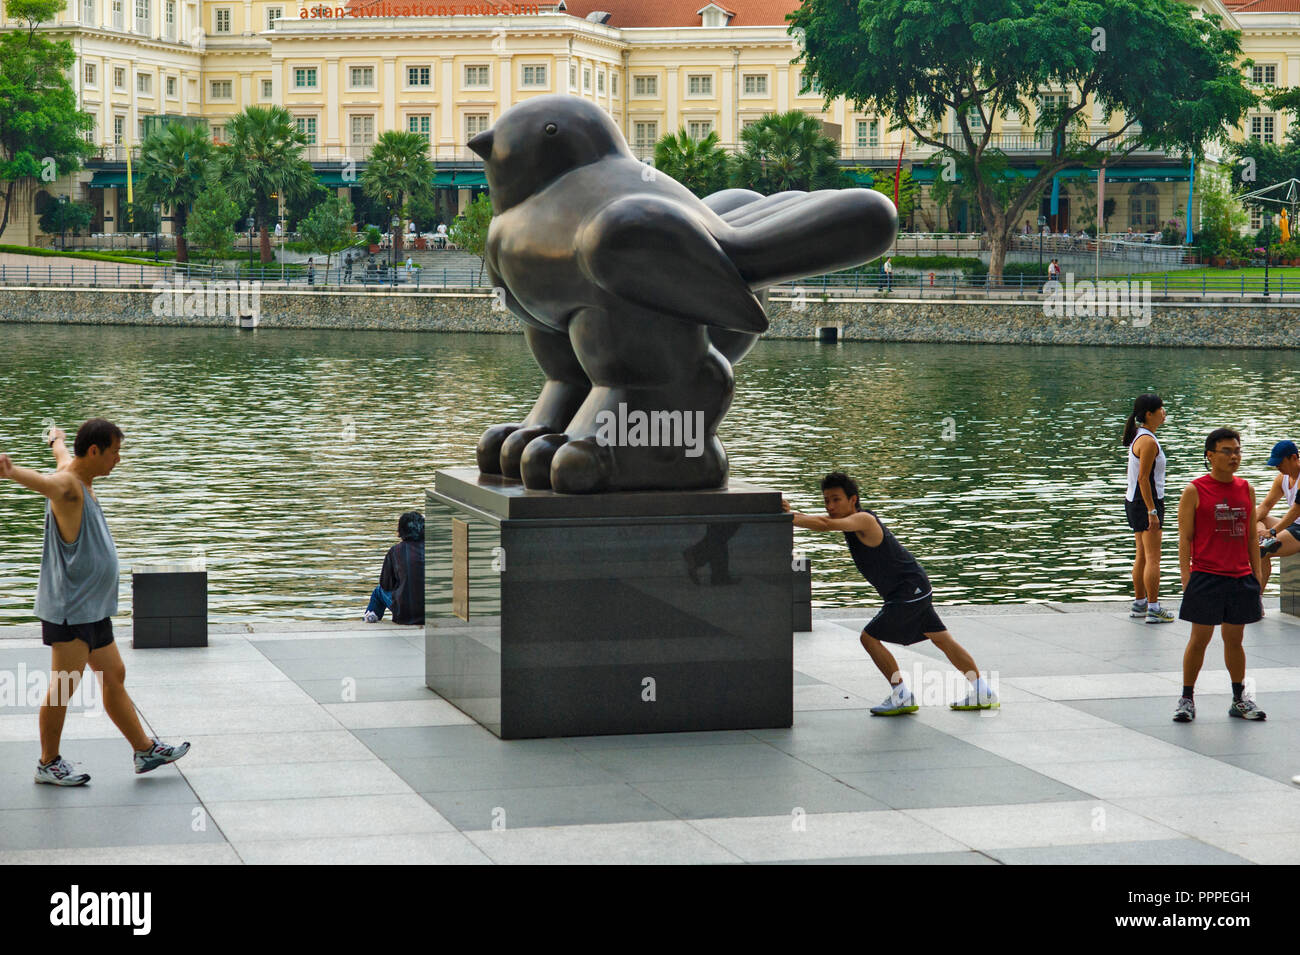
x=401 y=582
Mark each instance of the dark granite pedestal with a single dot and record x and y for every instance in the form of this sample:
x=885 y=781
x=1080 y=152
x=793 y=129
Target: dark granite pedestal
x=573 y=615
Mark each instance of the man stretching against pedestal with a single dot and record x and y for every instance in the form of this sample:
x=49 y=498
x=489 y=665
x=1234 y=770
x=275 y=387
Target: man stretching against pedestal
x=908 y=615
x=76 y=596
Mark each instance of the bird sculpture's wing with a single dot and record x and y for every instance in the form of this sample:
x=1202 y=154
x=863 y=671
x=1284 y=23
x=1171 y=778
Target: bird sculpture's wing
x=655 y=253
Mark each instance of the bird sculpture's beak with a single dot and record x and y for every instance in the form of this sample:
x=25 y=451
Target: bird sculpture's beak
x=482 y=144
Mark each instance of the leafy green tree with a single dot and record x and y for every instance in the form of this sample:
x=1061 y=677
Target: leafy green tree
x=424 y=212
x=399 y=169
x=701 y=165
x=261 y=159
x=915 y=60
x=63 y=216
x=175 y=165
x=41 y=128
x=470 y=229
x=328 y=228
x=909 y=189
x=1222 y=216
x=211 y=224
x=787 y=151
x=141 y=216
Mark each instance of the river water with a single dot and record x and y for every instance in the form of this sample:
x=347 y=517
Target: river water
x=285 y=457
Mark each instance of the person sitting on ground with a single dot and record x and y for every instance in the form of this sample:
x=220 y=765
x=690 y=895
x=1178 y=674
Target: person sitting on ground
x=401 y=581
x=1280 y=537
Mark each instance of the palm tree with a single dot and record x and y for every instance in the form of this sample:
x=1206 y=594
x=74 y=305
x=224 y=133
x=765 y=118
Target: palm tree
x=701 y=165
x=174 y=166
x=787 y=151
x=263 y=159
x=399 y=169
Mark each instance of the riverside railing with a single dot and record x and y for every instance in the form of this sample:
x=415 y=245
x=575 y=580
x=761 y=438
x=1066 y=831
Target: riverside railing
x=1284 y=284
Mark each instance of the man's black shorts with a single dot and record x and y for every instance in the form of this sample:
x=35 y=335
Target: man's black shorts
x=1138 y=518
x=97 y=635
x=905 y=623
x=1213 y=599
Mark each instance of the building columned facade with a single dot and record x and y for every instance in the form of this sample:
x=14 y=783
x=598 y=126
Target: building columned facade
x=447 y=70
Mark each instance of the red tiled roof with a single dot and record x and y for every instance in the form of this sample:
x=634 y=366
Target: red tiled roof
x=682 y=13
x=1263 y=6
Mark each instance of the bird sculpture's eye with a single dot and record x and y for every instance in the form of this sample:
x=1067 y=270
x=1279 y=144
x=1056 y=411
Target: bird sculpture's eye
x=551 y=129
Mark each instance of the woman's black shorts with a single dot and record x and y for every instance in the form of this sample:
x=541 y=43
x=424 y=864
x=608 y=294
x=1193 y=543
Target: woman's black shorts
x=1138 y=518
x=97 y=635
x=1213 y=599
x=905 y=623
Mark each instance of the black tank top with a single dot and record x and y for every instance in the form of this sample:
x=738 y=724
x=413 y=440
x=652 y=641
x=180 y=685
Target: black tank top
x=888 y=566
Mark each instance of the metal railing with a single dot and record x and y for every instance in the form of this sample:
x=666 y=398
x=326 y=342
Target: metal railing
x=840 y=285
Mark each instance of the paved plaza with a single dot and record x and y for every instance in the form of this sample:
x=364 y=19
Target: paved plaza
x=1081 y=765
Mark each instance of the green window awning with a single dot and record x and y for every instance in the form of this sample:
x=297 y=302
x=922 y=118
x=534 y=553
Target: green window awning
x=1119 y=174
x=104 y=179
x=460 y=178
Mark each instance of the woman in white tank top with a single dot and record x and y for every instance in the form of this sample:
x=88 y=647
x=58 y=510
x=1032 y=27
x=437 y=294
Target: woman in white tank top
x=1286 y=458
x=1144 y=504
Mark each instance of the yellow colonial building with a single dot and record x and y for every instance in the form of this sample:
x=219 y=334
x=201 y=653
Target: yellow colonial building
x=448 y=70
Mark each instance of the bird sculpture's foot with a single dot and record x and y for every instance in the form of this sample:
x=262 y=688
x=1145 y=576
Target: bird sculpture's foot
x=535 y=462
x=512 y=449
x=581 y=467
x=488 y=452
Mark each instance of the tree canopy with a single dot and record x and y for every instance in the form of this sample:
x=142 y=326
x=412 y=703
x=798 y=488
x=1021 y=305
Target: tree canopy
x=701 y=165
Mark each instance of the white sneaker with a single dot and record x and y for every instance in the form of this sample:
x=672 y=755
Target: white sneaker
x=370 y=617
x=59 y=773
x=978 y=701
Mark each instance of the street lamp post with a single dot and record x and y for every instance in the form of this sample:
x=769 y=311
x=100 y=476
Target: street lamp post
x=1268 y=250
x=1042 y=221
x=252 y=224
x=394 y=225
x=157 y=229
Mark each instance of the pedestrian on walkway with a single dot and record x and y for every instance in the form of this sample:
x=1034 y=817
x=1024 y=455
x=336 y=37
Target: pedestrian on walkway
x=908 y=615
x=311 y=272
x=76 y=597
x=1144 y=504
x=889 y=274
x=401 y=580
x=1218 y=557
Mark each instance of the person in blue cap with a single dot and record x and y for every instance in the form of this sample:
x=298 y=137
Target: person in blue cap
x=1280 y=537
x=401 y=581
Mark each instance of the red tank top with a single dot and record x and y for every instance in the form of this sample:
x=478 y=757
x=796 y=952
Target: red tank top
x=1222 y=522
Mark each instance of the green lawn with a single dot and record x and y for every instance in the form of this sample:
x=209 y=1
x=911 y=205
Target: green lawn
x=1182 y=276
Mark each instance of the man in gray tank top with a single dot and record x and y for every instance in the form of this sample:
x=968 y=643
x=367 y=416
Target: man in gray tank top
x=77 y=595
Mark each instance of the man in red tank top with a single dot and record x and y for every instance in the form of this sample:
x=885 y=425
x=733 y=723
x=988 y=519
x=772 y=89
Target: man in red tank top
x=1218 y=554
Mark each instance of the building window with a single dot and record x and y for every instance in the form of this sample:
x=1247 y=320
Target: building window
x=89 y=73
x=699 y=84
x=273 y=14
x=475 y=123
x=171 y=87
x=573 y=77
x=144 y=84
x=600 y=82
x=221 y=20
x=532 y=75
x=139 y=129
x=477 y=75
x=1261 y=128
x=119 y=129
x=363 y=130
x=304 y=78
x=645 y=86
x=713 y=17
x=307 y=128
x=974 y=120
x=88 y=12
x=755 y=84
x=1264 y=74
x=809 y=85
x=169 y=19
x=868 y=133
x=142 y=16
x=418 y=124
x=361 y=77
x=1256 y=219
x=699 y=128
x=421 y=76
x=119 y=18
x=586 y=79
x=645 y=135
x=119 y=78
x=218 y=134
x=222 y=89
x=613 y=84
x=1143 y=206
